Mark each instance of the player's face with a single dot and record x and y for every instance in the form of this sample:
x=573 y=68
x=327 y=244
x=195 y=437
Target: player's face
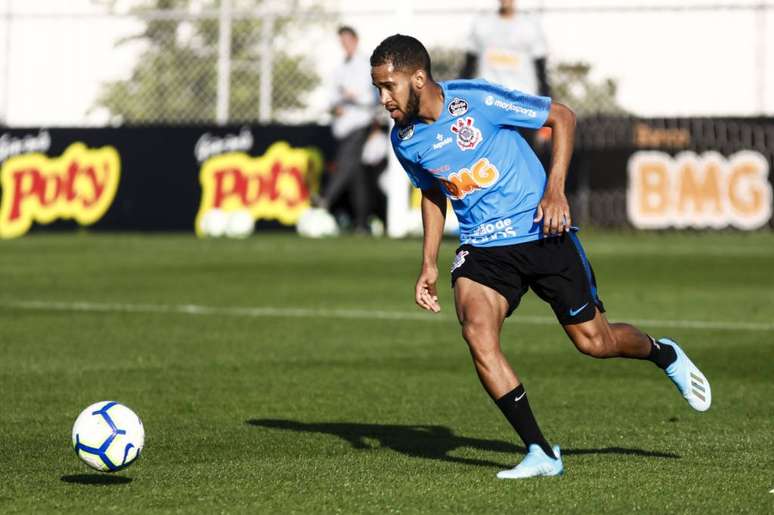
x=396 y=93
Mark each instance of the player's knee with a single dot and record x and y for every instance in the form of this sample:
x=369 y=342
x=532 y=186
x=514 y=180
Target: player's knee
x=478 y=335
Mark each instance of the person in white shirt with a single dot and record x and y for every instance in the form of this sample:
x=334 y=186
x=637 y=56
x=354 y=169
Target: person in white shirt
x=508 y=48
x=353 y=102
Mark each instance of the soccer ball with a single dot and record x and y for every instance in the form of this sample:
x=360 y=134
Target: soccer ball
x=108 y=436
x=317 y=223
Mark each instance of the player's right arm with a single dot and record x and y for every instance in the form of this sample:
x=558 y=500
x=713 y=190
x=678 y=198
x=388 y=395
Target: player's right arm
x=433 y=219
x=433 y=206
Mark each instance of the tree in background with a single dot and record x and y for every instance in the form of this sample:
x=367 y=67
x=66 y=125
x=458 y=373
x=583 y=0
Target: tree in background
x=571 y=83
x=175 y=78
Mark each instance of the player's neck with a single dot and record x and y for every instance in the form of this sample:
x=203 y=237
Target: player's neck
x=431 y=103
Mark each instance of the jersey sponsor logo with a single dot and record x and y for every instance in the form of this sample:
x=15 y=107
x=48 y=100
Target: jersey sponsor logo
x=459 y=260
x=458 y=106
x=406 y=132
x=442 y=142
x=468 y=136
x=509 y=106
x=440 y=169
x=481 y=175
x=490 y=231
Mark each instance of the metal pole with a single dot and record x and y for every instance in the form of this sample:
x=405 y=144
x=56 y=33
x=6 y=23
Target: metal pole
x=398 y=194
x=267 y=69
x=6 y=66
x=224 y=63
x=760 y=57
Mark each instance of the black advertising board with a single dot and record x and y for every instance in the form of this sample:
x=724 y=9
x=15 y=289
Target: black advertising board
x=661 y=173
x=696 y=173
x=156 y=178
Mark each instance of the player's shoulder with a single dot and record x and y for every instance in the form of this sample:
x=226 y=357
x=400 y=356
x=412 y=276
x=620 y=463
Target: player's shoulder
x=476 y=91
x=472 y=86
x=404 y=139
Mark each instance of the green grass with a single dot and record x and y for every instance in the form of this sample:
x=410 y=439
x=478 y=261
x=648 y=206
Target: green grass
x=318 y=407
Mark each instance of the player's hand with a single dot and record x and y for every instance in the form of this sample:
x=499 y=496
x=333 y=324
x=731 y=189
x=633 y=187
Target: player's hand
x=554 y=211
x=426 y=295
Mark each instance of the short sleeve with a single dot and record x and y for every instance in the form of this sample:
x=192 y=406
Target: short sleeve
x=513 y=108
x=418 y=176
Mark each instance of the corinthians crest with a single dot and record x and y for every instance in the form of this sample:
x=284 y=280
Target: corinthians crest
x=468 y=136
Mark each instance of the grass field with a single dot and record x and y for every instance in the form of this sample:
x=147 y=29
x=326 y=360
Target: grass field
x=284 y=375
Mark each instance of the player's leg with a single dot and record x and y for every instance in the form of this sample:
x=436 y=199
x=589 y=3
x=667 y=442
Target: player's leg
x=600 y=339
x=481 y=311
x=592 y=334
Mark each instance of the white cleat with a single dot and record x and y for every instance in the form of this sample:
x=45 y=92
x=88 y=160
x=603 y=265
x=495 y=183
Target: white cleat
x=688 y=378
x=535 y=463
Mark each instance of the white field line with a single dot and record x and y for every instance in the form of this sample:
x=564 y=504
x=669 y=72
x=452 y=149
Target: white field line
x=358 y=314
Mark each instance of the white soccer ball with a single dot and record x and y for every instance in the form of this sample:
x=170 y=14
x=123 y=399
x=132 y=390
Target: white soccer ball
x=239 y=224
x=108 y=436
x=317 y=223
x=214 y=222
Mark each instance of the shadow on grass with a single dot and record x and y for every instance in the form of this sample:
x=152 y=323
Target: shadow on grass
x=428 y=442
x=96 y=479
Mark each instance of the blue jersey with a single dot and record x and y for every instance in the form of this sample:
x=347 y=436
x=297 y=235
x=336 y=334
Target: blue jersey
x=475 y=152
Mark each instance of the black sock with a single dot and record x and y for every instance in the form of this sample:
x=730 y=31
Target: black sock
x=661 y=355
x=515 y=407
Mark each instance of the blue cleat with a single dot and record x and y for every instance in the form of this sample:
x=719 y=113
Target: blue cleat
x=535 y=463
x=688 y=378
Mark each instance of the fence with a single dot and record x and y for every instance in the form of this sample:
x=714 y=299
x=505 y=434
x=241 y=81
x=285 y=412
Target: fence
x=81 y=63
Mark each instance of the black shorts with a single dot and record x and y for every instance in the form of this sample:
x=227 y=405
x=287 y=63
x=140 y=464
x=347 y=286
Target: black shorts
x=556 y=269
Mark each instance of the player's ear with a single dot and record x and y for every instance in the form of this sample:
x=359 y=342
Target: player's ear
x=419 y=79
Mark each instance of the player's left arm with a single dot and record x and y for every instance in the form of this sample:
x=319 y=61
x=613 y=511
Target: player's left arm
x=554 y=209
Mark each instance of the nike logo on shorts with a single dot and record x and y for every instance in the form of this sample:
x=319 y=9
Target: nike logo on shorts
x=574 y=312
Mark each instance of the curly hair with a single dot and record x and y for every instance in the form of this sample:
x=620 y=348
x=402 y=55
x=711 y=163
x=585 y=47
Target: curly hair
x=404 y=53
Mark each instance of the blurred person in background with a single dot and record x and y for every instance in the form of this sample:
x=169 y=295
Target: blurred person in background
x=509 y=49
x=353 y=102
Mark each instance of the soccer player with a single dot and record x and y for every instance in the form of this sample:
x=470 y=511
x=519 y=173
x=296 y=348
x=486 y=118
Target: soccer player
x=458 y=139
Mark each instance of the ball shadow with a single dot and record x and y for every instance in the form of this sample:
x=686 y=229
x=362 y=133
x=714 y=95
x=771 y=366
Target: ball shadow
x=96 y=479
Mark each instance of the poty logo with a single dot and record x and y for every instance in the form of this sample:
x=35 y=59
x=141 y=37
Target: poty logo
x=80 y=184
x=274 y=186
x=508 y=106
x=481 y=175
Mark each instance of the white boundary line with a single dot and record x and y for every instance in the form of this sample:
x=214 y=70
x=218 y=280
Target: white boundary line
x=358 y=314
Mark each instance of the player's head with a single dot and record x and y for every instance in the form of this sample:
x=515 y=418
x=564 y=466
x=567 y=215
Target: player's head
x=348 y=39
x=507 y=7
x=400 y=69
